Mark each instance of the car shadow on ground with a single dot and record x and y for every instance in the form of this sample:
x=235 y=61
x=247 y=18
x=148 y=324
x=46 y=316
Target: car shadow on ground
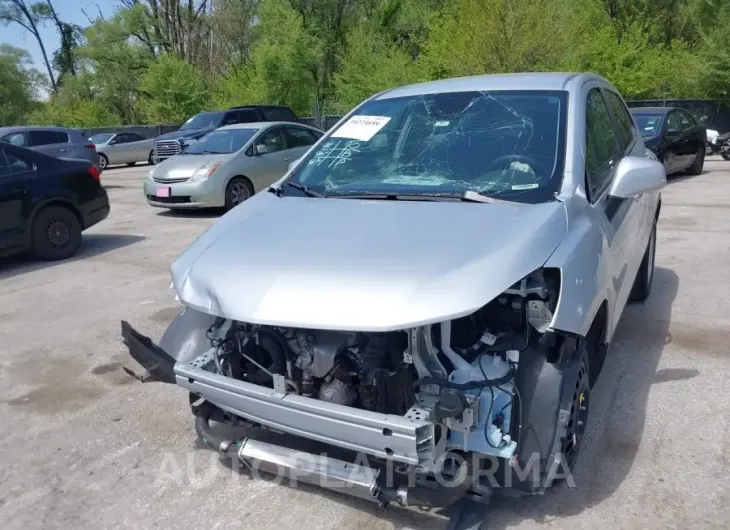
x=91 y=245
x=614 y=433
x=202 y=213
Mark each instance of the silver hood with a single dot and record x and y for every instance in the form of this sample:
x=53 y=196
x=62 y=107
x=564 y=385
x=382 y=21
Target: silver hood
x=183 y=166
x=347 y=264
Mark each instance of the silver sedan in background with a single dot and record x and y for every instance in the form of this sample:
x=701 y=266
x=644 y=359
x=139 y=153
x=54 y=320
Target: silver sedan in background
x=228 y=165
x=123 y=148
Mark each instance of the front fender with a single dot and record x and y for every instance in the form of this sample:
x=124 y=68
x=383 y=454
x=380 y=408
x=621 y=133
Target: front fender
x=584 y=263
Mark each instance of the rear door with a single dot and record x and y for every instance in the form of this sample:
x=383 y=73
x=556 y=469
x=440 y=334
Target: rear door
x=298 y=140
x=15 y=199
x=606 y=144
x=50 y=142
x=675 y=143
x=694 y=138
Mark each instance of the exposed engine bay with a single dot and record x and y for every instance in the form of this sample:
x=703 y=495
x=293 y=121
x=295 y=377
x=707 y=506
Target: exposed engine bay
x=458 y=374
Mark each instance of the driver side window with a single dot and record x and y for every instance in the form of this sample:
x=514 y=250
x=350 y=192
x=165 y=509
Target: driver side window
x=601 y=145
x=674 y=121
x=273 y=140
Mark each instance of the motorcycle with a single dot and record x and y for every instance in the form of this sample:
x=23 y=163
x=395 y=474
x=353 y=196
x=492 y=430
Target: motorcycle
x=724 y=143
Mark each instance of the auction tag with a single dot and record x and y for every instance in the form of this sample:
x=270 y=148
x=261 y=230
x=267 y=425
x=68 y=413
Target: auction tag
x=163 y=191
x=361 y=127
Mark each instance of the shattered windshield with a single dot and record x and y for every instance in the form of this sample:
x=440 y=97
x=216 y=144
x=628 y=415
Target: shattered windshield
x=503 y=144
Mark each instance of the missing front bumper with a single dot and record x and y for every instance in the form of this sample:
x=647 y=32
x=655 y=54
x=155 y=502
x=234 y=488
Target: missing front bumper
x=395 y=438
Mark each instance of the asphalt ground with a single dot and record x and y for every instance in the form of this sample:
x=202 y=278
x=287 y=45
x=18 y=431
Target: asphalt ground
x=82 y=445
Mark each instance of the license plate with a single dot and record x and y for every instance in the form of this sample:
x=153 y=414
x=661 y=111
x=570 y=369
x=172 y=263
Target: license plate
x=163 y=191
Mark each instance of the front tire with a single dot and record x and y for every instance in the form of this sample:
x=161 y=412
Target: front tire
x=238 y=190
x=725 y=155
x=56 y=233
x=151 y=159
x=698 y=164
x=645 y=277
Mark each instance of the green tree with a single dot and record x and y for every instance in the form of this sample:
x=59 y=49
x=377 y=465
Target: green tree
x=20 y=85
x=173 y=90
x=372 y=64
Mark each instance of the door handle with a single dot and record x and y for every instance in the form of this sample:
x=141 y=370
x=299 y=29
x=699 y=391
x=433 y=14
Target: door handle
x=287 y=158
x=63 y=150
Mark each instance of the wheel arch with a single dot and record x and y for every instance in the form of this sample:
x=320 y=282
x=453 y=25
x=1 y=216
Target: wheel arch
x=57 y=201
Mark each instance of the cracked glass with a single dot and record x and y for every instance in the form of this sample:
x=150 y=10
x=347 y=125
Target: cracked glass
x=503 y=144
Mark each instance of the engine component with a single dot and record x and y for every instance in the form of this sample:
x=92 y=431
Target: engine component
x=335 y=391
x=316 y=350
x=451 y=404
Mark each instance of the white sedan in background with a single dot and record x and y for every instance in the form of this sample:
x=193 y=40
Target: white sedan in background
x=123 y=148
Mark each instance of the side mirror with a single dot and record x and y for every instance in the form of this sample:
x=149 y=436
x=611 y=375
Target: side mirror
x=261 y=149
x=291 y=165
x=636 y=175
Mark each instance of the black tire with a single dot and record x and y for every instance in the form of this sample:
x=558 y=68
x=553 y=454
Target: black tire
x=645 y=277
x=150 y=159
x=130 y=164
x=56 y=233
x=725 y=155
x=238 y=190
x=103 y=161
x=467 y=514
x=572 y=439
x=698 y=164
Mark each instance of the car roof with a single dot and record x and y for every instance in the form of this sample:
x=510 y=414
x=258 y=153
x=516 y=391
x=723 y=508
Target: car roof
x=652 y=110
x=262 y=124
x=517 y=81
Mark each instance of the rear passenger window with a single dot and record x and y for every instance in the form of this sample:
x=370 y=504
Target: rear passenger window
x=278 y=114
x=601 y=146
x=247 y=116
x=298 y=137
x=626 y=130
x=10 y=163
x=45 y=138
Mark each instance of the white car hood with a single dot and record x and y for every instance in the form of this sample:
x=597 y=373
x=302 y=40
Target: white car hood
x=362 y=265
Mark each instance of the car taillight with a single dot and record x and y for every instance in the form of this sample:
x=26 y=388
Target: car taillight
x=95 y=173
x=90 y=146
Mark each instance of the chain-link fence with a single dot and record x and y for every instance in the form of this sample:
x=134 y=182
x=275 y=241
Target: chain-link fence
x=713 y=113
x=152 y=131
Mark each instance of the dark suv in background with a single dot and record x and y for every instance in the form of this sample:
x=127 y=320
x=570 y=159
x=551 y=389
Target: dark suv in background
x=170 y=144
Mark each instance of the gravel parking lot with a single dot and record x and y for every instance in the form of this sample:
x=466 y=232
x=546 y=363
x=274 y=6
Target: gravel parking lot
x=85 y=446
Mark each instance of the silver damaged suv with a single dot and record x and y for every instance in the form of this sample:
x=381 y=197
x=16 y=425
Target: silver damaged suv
x=432 y=288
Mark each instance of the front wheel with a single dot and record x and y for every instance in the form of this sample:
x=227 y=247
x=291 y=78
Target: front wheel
x=725 y=154
x=56 y=233
x=698 y=164
x=645 y=277
x=151 y=158
x=238 y=190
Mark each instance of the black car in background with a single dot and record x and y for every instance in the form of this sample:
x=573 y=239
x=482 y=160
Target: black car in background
x=674 y=135
x=194 y=128
x=46 y=202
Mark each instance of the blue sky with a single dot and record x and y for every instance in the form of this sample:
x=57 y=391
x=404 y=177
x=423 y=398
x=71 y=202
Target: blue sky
x=68 y=11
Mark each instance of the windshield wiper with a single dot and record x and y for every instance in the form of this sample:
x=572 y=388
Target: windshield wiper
x=301 y=187
x=467 y=196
